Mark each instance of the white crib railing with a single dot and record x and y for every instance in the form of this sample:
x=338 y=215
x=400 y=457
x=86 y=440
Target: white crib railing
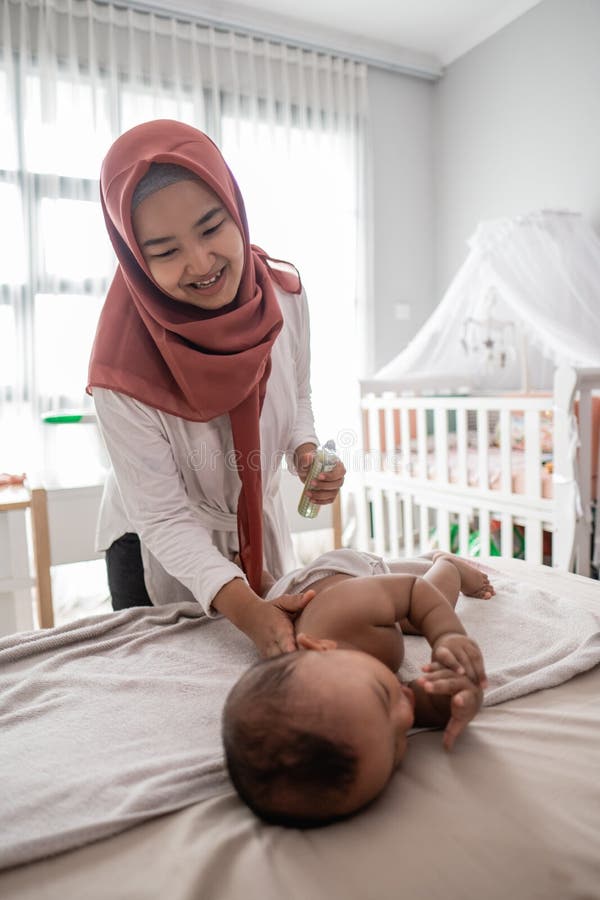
x=429 y=477
x=577 y=460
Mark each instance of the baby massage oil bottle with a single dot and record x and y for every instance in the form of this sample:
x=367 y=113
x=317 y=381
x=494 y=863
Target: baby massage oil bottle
x=325 y=460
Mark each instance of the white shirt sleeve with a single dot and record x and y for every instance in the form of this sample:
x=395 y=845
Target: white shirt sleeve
x=304 y=426
x=155 y=499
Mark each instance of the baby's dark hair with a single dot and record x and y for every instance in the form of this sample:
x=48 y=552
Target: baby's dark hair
x=287 y=775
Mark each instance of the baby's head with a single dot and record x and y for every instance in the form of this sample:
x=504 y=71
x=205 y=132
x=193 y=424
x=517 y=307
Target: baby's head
x=311 y=737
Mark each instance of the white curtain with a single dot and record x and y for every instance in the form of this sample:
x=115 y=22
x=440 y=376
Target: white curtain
x=74 y=74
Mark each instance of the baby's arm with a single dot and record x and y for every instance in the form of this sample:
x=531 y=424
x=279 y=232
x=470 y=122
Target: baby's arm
x=429 y=611
x=362 y=612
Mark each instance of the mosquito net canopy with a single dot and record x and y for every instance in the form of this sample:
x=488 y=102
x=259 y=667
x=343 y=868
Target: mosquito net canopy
x=526 y=300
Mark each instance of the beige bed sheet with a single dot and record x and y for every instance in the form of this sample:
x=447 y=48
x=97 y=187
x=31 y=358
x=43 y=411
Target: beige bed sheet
x=513 y=812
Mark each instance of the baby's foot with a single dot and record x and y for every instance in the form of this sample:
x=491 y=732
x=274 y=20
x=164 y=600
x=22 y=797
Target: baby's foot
x=473 y=582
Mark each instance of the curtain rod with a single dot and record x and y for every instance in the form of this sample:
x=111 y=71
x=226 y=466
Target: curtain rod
x=229 y=24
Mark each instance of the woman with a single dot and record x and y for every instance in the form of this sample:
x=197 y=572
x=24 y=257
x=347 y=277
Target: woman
x=200 y=378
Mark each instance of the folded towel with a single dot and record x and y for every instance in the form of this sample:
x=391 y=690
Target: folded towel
x=113 y=720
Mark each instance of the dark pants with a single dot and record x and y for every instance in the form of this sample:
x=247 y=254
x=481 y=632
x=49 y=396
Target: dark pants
x=126 y=573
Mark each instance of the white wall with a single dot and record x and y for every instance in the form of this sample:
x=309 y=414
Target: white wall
x=400 y=112
x=512 y=126
x=517 y=126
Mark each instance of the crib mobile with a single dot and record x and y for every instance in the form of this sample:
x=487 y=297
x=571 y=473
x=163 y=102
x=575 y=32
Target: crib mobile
x=494 y=340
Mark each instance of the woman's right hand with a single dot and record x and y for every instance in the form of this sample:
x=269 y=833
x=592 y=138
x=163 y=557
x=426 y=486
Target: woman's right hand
x=268 y=623
x=272 y=623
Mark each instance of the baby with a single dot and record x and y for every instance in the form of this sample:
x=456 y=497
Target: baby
x=311 y=737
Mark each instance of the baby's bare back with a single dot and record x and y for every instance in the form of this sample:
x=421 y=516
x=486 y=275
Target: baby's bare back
x=357 y=614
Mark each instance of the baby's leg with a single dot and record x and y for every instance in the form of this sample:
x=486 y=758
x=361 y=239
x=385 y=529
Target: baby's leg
x=473 y=582
x=410 y=566
x=445 y=577
x=416 y=566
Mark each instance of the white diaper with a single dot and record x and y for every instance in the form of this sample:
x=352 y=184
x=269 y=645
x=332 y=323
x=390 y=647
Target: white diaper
x=336 y=562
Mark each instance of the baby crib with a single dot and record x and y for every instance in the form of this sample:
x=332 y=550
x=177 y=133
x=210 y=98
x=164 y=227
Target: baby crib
x=506 y=475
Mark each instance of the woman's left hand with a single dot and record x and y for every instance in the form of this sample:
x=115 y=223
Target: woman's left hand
x=325 y=488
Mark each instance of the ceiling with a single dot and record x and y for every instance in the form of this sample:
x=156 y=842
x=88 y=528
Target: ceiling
x=432 y=33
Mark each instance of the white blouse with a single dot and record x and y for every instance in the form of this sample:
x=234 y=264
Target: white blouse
x=174 y=482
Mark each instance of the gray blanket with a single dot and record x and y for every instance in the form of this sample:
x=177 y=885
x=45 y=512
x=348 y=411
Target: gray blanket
x=110 y=721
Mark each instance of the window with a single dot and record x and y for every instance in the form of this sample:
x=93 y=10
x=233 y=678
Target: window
x=78 y=75
x=315 y=228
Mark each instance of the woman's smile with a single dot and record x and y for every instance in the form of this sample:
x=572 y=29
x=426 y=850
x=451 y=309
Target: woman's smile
x=203 y=283
x=191 y=244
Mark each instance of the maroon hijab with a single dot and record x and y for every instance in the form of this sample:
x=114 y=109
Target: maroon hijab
x=171 y=355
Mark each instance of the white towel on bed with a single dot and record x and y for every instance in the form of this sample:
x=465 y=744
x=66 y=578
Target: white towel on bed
x=530 y=639
x=110 y=721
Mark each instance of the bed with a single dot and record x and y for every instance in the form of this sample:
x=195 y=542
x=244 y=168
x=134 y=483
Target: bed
x=513 y=812
x=513 y=475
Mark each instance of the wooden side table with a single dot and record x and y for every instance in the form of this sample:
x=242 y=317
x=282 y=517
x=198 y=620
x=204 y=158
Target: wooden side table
x=64 y=529
x=42 y=558
x=16 y=581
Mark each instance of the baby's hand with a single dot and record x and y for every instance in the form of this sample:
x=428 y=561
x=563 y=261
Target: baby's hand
x=460 y=653
x=465 y=698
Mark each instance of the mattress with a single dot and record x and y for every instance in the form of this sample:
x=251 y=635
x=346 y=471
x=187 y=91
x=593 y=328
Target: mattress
x=514 y=811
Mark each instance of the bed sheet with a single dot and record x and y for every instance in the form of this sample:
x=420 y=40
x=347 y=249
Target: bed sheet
x=514 y=811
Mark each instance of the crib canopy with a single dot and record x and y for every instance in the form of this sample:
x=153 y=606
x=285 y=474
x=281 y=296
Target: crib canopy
x=526 y=300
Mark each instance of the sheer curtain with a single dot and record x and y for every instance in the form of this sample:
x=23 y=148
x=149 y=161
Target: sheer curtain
x=524 y=302
x=291 y=123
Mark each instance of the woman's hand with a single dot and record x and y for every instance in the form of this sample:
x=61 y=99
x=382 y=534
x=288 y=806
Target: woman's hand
x=269 y=624
x=325 y=488
x=275 y=631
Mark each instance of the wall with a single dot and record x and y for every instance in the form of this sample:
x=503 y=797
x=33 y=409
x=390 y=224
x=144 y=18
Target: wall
x=517 y=126
x=401 y=146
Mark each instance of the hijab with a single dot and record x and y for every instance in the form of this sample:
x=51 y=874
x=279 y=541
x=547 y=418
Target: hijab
x=188 y=362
